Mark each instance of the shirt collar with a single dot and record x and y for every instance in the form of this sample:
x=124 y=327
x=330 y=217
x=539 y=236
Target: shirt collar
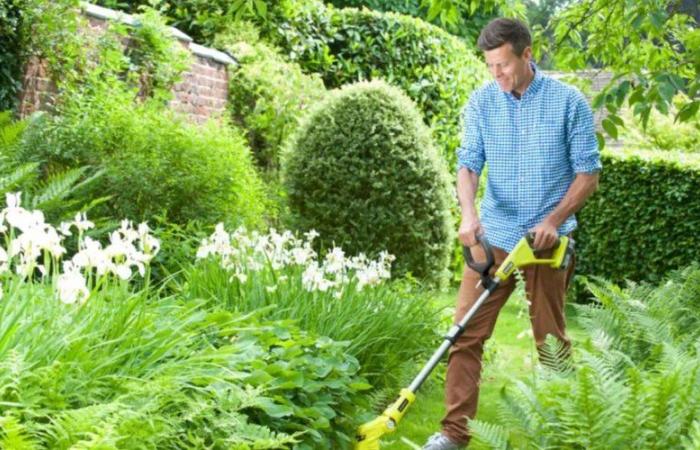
x=534 y=86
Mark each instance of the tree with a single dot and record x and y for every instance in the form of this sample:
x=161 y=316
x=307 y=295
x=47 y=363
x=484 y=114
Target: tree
x=652 y=48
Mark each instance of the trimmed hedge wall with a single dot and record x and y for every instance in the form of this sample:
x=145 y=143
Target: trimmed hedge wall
x=436 y=70
x=644 y=220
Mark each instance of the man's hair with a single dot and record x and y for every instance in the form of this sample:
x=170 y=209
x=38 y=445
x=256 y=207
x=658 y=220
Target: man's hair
x=500 y=31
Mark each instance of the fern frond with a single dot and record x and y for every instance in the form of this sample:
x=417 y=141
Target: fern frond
x=18 y=175
x=488 y=434
x=692 y=441
x=57 y=187
x=14 y=435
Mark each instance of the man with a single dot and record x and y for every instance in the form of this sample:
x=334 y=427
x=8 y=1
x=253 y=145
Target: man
x=538 y=138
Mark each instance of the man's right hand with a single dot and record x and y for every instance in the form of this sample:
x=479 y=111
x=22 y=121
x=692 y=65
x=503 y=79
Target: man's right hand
x=469 y=229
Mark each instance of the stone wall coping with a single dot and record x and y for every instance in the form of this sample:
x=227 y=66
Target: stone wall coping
x=100 y=12
x=212 y=53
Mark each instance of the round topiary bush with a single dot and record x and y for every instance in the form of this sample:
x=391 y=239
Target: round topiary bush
x=363 y=171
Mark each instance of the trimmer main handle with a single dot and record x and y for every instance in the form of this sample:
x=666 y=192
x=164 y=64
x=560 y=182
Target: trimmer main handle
x=530 y=236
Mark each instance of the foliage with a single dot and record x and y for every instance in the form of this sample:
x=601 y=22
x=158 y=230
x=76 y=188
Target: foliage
x=10 y=38
x=112 y=118
x=368 y=138
x=60 y=194
x=461 y=20
x=154 y=163
x=267 y=97
x=617 y=396
x=643 y=320
x=203 y=20
x=126 y=368
x=345 y=298
x=154 y=55
x=437 y=70
x=169 y=375
x=652 y=48
x=408 y=7
x=661 y=132
x=660 y=235
x=36 y=28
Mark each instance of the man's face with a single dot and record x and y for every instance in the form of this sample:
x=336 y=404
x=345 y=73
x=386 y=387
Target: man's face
x=509 y=70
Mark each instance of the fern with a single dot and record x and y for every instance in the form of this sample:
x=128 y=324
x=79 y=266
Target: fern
x=692 y=441
x=490 y=435
x=17 y=176
x=636 y=384
x=14 y=435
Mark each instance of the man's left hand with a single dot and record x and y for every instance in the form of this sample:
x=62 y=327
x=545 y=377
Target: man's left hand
x=546 y=236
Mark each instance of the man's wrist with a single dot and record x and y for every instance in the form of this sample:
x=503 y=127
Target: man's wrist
x=469 y=214
x=552 y=221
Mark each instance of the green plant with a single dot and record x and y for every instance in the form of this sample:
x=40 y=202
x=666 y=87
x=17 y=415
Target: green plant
x=334 y=295
x=660 y=235
x=653 y=50
x=203 y=20
x=155 y=55
x=437 y=70
x=87 y=360
x=154 y=163
x=635 y=385
x=267 y=97
x=363 y=171
x=60 y=194
x=662 y=132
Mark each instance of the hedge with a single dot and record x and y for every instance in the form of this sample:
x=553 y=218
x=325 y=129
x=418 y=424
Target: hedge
x=644 y=220
x=437 y=70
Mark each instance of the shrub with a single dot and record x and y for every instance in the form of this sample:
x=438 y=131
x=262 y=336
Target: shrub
x=643 y=220
x=267 y=96
x=154 y=163
x=364 y=173
x=437 y=70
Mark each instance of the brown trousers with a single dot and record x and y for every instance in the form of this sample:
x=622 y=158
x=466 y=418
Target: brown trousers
x=545 y=288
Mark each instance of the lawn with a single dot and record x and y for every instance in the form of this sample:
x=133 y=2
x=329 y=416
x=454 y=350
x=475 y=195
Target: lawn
x=509 y=355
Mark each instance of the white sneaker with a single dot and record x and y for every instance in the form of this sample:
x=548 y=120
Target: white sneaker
x=439 y=441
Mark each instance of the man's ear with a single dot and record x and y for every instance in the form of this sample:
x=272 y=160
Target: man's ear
x=527 y=54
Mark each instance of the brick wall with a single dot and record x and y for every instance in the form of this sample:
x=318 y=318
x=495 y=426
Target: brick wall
x=201 y=94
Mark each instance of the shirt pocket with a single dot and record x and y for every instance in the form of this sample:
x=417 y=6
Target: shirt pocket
x=550 y=135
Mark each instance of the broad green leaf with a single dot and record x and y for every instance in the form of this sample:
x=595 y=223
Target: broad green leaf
x=610 y=128
x=687 y=111
x=601 y=140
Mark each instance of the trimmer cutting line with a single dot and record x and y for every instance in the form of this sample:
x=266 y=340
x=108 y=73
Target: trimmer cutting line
x=369 y=434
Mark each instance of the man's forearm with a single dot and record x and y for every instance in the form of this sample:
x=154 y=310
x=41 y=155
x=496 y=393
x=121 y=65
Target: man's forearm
x=583 y=186
x=467 y=185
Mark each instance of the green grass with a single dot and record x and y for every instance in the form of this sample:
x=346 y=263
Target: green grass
x=507 y=357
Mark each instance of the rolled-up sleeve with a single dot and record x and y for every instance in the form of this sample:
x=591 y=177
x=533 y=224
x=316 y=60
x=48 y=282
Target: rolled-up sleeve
x=470 y=153
x=583 y=146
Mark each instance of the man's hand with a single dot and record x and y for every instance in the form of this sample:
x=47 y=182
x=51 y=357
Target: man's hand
x=468 y=230
x=546 y=235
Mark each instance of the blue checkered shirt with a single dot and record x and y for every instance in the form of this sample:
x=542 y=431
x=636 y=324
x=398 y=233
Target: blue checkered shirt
x=534 y=147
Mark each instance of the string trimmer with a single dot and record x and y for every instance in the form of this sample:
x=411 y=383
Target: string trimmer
x=523 y=254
